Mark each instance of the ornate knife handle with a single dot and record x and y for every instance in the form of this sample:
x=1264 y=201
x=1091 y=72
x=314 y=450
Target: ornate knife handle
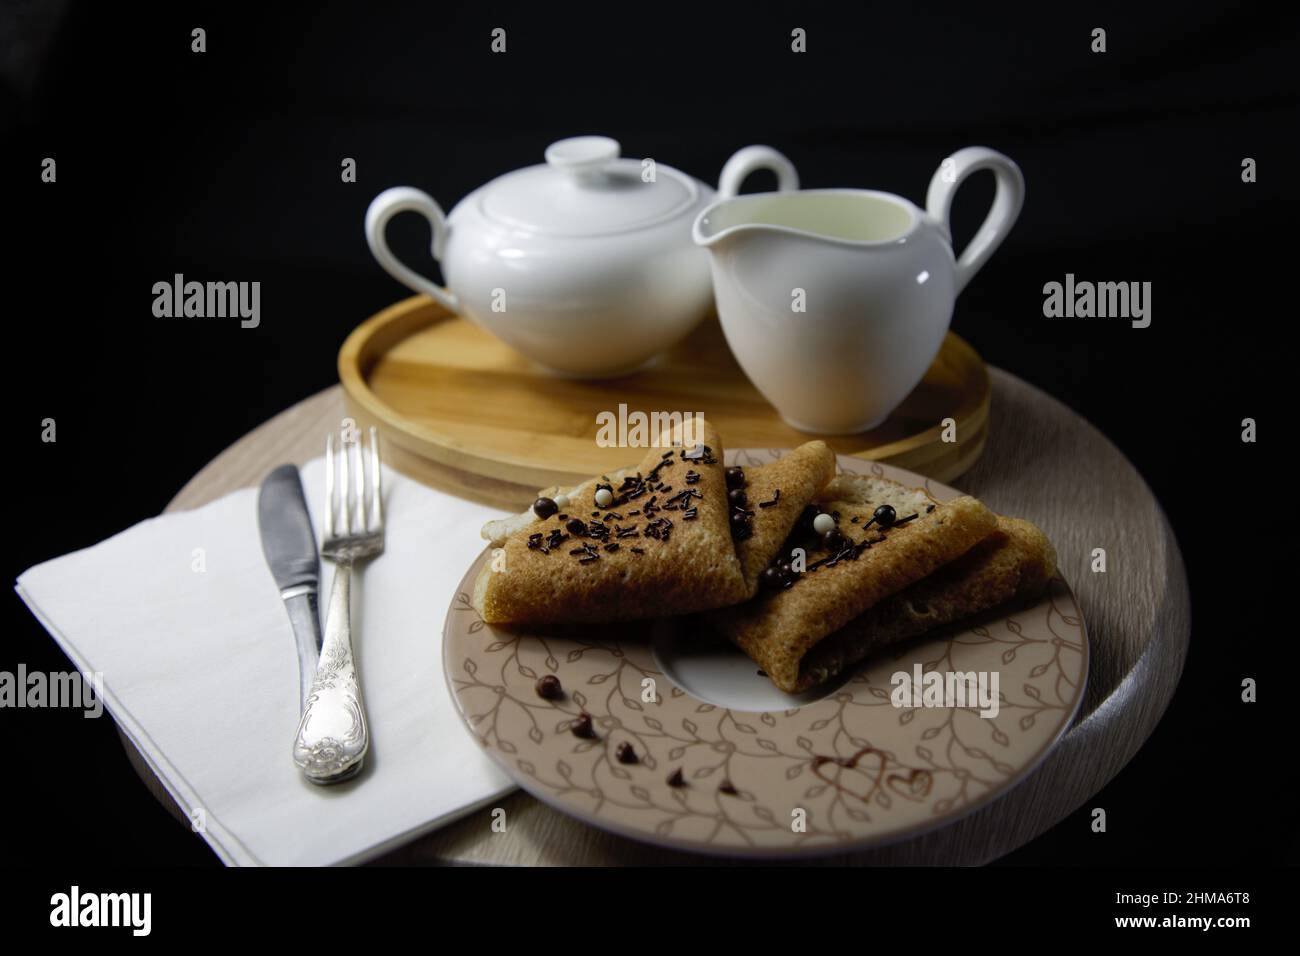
x=332 y=736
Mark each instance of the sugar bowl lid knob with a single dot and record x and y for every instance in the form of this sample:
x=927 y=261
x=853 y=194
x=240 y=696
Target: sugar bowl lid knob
x=582 y=156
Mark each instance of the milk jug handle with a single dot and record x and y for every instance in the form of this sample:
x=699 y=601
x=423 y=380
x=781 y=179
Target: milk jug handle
x=751 y=159
x=1008 y=199
x=407 y=199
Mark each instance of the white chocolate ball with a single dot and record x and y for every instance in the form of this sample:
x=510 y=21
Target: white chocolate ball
x=561 y=501
x=604 y=497
x=823 y=523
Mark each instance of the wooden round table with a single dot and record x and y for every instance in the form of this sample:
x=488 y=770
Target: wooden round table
x=1042 y=462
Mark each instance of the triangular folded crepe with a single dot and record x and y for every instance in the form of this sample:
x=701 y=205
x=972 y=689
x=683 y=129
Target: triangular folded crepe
x=1014 y=563
x=703 y=562
x=662 y=546
x=875 y=560
x=775 y=496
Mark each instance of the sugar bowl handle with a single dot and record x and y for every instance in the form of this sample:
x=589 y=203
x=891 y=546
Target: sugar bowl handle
x=384 y=207
x=1008 y=199
x=753 y=158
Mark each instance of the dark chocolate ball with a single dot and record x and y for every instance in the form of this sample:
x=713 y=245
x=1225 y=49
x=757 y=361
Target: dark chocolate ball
x=575 y=526
x=834 y=539
x=735 y=477
x=544 y=508
x=737 y=496
x=885 y=515
x=549 y=688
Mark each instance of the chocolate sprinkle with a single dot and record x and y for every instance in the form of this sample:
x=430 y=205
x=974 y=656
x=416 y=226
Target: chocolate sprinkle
x=902 y=521
x=654 y=472
x=776 y=496
x=638 y=550
x=929 y=509
x=692 y=477
x=659 y=528
x=682 y=499
x=611 y=547
x=590 y=551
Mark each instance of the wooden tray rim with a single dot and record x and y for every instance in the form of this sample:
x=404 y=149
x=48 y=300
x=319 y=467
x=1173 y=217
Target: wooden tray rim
x=415 y=313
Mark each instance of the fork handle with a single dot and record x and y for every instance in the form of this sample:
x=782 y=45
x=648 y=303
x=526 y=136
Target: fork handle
x=332 y=735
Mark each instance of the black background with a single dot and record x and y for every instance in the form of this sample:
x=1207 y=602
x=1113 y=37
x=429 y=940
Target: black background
x=226 y=166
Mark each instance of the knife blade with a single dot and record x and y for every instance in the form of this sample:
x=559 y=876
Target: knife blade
x=289 y=544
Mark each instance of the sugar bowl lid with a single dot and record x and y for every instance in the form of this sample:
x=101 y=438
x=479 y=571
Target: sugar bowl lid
x=585 y=189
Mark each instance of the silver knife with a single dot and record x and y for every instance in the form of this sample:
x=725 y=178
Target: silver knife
x=289 y=544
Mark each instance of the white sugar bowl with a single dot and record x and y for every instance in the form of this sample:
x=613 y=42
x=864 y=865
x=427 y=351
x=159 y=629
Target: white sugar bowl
x=585 y=263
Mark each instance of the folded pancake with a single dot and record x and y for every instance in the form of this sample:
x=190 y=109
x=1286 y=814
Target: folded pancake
x=775 y=495
x=661 y=546
x=873 y=559
x=1014 y=563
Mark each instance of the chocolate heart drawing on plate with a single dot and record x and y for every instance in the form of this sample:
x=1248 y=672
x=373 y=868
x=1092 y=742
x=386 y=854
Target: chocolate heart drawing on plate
x=914 y=785
x=851 y=764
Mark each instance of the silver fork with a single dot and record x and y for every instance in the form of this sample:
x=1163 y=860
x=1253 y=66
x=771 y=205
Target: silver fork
x=332 y=735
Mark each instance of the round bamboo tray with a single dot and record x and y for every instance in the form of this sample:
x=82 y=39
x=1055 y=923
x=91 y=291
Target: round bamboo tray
x=463 y=412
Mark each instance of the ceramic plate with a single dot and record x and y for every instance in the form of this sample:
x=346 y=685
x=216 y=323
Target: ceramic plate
x=766 y=773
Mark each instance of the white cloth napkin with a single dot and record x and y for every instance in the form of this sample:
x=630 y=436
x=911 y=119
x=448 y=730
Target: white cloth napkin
x=199 y=669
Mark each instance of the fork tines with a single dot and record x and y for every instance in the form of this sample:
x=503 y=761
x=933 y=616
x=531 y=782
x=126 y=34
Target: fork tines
x=353 y=501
